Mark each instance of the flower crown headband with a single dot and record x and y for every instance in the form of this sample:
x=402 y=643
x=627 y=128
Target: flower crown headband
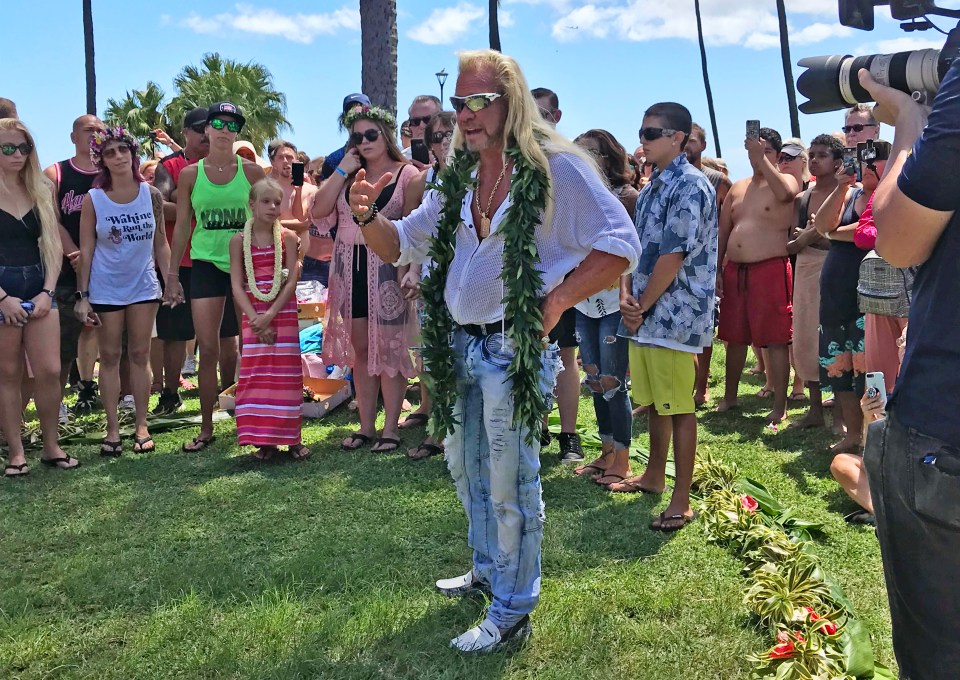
x=118 y=134
x=370 y=113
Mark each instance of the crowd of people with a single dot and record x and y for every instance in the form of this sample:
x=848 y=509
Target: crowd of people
x=479 y=250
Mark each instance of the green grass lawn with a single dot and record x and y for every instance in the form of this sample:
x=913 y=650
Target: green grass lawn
x=173 y=565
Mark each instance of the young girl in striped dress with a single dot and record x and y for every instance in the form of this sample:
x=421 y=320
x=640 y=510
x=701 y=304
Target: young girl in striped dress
x=270 y=388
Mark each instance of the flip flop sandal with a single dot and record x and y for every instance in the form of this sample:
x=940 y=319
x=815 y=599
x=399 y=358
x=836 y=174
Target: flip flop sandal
x=392 y=445
x=18 y=468
x=55 y=462
x=618 y=479
x=356 y=440
x=111 y=449
x=589 y=470
x=627 y=486
x=265 y=453
x=425 y=451
x=861 y=517
x=299 y=452
x=799 y=395
x=657 y=524
x=414 y=420
x=199 y=444
x=145 y=443
x=765 y=393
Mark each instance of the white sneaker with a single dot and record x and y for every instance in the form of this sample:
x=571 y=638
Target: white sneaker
x=189 y=367
x=487 y=638
x=337 y=373
x=64 y=416
x=461 y=585
x=127 y=403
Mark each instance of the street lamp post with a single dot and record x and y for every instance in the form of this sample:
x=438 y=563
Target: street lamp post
x=441 y=78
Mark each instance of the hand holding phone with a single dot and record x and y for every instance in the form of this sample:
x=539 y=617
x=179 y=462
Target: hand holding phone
x=876 y=386
x=296 y=174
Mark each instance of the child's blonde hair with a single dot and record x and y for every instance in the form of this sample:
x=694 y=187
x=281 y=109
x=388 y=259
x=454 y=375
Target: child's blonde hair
x=261 y=187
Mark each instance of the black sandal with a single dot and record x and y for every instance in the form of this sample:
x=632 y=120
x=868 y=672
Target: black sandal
x=18 y=468
x=299 y=452
x=391 y=443
x=142 y=443
x=199 y=444
x=110 y=449
x=265 y=453
x=357 y=440
x=424 y=451
x=55 y=462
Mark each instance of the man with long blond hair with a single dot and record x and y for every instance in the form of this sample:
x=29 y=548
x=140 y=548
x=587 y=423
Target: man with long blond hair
x=580 y=240
x=29 y=266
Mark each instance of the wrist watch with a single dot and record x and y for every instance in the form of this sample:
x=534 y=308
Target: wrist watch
x=49 y=292
x=81 y=295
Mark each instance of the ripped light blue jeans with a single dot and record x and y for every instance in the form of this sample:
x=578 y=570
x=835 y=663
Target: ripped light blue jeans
x=497 y=474
x=605 y=355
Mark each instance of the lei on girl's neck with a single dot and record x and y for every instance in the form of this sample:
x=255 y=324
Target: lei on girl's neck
x=522 y=281
x=279 y=277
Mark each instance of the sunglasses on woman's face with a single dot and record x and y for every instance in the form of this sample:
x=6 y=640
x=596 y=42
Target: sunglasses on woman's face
x=118 y=150
x=220 y=123
x=9 y=149
x=441 y=137
x=370 y=135
x=474 y=102
x=651 y=134
x=786 y=158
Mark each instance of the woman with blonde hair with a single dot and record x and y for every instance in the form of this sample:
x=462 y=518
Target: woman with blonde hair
x=29 y=266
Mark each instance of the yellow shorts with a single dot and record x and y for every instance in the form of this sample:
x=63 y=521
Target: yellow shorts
x=664 y=378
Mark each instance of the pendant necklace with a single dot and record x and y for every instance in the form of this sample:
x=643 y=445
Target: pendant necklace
x=484 y=230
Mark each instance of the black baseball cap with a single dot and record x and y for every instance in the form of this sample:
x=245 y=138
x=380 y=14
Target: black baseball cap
x=356 y=98
x=225 y=109
x=197 y=116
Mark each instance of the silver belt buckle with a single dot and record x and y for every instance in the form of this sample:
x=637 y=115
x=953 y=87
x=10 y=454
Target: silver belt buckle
x=483 y=329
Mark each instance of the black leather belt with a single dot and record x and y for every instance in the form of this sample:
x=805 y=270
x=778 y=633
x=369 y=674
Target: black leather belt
x=481 y=330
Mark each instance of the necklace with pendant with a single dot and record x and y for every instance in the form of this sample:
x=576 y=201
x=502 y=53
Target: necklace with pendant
x=484 y=230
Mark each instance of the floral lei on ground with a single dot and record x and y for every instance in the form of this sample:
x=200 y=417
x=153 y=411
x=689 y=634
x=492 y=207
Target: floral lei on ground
x=278 y=276
x=522 y=281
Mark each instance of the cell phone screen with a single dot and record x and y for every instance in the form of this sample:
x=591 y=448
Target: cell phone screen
x=419 y=152
x=753 y=129
x=296 y=174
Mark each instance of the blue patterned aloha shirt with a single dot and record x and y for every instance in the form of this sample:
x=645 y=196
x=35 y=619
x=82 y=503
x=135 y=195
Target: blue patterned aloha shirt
x=677 y=213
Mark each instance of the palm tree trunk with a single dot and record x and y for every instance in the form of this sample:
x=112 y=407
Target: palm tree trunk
x=88 y=57
x=378 y=40
x=494 y=26
x=706 y=80
x=788 y=70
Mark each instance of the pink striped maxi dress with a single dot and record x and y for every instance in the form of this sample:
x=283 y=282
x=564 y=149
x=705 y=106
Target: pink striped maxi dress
x=270 y=388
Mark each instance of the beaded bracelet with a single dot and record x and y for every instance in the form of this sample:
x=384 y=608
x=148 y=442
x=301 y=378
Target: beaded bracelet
x=366 y=219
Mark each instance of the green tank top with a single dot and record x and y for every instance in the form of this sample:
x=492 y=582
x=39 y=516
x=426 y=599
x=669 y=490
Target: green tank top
x=221 y=211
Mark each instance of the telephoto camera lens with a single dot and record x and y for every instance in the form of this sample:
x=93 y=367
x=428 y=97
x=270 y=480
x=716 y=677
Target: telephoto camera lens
x=830 y=83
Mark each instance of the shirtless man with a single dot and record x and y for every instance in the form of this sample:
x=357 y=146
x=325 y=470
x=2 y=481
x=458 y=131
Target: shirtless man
x=282 y=160
x=755 y=284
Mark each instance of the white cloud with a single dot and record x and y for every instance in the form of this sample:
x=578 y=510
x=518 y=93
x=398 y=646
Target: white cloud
x=301 y=28
x=905 y=44
x=505 y=18
x=724 y=23
x=447 y=25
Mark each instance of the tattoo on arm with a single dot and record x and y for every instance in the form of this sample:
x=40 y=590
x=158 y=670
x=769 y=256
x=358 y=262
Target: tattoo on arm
x=164 y=182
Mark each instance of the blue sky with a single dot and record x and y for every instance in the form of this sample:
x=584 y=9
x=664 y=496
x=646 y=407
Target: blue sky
x=607 y=60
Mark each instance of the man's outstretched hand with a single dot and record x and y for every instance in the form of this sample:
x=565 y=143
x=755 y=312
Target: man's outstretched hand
x=363 y=194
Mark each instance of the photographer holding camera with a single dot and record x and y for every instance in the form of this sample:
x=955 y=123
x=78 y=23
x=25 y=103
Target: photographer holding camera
x=913 y=457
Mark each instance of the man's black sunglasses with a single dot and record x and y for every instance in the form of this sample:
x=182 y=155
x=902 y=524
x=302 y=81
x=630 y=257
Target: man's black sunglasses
x=858 y=127
x=419 y=120
x=199 y=128
x=370 y=135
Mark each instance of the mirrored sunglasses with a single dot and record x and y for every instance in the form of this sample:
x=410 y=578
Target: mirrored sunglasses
x=440 y=137
x=474 y=102
x=9 y=149
x=652 y=134
x=220 y=123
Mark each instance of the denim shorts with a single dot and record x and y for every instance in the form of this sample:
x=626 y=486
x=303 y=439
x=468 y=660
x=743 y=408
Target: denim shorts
x=22 y=282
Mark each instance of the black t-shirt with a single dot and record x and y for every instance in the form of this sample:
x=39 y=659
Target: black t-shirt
x=841 y=273
x=927 y=396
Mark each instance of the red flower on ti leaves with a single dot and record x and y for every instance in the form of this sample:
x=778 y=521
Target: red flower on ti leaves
x=749 y=503
x=813 y=615
x=782 y=651
x=829 y=628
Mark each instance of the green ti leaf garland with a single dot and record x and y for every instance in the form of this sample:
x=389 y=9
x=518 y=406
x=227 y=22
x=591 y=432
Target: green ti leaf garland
x=522 y=283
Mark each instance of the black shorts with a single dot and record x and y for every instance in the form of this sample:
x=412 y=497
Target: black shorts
x=176 y=323
x=565 y=332
x=209 y=281
x=106 y=309
x=359 y=301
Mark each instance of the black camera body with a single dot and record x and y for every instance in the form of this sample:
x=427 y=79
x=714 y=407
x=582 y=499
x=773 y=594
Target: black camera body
x=830 y=82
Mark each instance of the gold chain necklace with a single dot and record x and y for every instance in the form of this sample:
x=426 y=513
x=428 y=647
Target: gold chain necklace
x=484 y=230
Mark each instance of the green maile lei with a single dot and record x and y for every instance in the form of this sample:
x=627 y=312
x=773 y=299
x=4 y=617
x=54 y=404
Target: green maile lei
x=522 y=285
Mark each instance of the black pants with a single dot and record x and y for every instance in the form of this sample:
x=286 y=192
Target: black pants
x=915 y=488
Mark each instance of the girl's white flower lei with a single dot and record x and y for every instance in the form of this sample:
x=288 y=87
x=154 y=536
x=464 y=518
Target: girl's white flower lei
x=278 y=273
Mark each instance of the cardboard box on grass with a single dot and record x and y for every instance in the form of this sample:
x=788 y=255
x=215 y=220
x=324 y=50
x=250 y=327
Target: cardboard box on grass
x=331 y=393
